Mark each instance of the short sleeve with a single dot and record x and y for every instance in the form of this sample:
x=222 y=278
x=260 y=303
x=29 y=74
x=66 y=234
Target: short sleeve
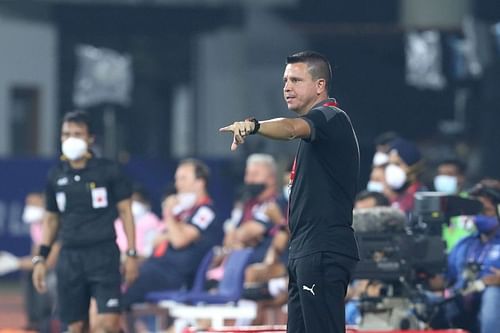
x=120 y=184
x=202 y=218
x=260 y=214
x=319 y=119
x=50 y=196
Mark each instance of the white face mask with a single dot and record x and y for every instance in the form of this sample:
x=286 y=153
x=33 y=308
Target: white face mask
x=138 y=210
x=380 y=158
x=74 y=148
x=446 y=184
x=185 y=201
x=395 y=176
x=374 y=186
x=32 y=214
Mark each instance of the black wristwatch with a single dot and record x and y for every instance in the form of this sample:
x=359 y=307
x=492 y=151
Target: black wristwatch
x=256 y=125
x=131 y=253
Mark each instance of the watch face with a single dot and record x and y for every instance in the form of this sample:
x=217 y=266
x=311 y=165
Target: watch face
x=37 y=259
x=131 y=253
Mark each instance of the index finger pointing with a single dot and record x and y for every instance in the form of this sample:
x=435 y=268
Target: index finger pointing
x=227 y=129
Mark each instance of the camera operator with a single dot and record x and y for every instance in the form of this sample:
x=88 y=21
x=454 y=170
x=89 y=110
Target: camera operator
x=360 y=288
x=474 y=269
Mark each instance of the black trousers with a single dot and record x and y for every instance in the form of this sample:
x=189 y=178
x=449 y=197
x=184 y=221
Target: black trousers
x=316 y=292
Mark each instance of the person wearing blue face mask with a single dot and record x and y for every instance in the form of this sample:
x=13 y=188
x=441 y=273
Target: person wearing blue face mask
x=474 y=268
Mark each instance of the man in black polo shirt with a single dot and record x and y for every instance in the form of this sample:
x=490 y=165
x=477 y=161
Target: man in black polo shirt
x=83 y=196
x=323 y=250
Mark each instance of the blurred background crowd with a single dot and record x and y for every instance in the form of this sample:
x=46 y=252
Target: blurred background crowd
x=418 y=78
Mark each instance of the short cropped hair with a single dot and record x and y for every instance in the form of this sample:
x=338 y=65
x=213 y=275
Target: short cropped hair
x=459 y=164
x=263 y=158
x=201 y=170
x=380 y=199
x=317 y=64
x=79 y=117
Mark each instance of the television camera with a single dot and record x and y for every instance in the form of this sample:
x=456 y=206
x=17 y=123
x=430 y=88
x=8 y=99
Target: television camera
x=402 y=254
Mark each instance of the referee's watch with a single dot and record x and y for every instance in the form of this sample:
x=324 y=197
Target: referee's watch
x=131 y=253
x=37 y=259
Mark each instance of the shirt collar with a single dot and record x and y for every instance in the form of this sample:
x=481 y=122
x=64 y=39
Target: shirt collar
x=91 y=162
x=327 y=102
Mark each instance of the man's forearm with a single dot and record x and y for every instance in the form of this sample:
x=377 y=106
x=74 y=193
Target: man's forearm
x=50 y=225
x=125 y=212
x=179 y=235
x=128 y=227
x=285 y=128
x=278 y=128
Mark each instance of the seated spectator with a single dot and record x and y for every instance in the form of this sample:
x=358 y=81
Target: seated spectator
x=251 y=225
x=376 y=183
x=450 y=179
x=40 y=308
x=450 y=176
x=382 y=147
x=402 y=172
x=255 y=217
x=192 y=230
x=147 y=224
x=267 y=281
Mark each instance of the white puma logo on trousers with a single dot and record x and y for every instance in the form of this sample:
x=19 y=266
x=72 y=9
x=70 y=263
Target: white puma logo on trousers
x=304 y=287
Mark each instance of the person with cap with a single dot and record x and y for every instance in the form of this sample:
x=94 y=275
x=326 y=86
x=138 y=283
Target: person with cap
x=401 y=174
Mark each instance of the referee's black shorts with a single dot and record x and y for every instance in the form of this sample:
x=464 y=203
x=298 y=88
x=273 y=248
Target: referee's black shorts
x=87 y=272
x=316 y=292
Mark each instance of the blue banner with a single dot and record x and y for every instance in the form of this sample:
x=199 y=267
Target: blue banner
x=18 y=177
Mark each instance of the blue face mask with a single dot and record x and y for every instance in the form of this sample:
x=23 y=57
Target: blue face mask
x=446 y=184
x=485 y=224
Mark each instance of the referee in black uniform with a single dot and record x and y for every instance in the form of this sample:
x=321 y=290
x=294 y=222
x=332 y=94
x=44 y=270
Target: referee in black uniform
x=84 y=194
x=323 y=250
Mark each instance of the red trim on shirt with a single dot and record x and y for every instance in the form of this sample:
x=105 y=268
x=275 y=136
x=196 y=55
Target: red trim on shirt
x=161 y=248
x=331 y=103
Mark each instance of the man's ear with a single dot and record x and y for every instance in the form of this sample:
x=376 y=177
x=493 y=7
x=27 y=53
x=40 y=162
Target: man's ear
x=200 y=183
x=320 y=86
x=91 y=140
